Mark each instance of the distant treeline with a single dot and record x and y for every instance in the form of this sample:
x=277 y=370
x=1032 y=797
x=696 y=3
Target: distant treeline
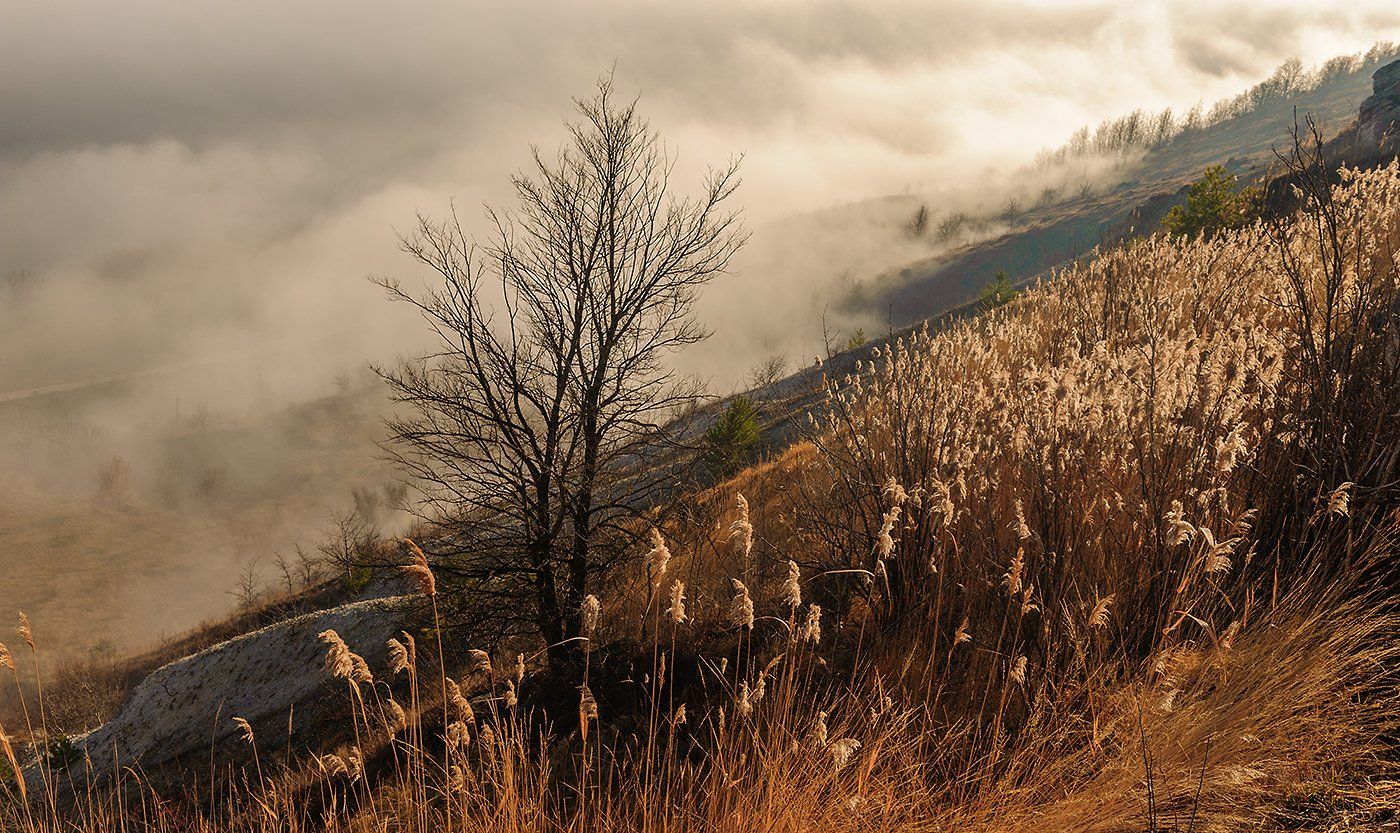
x=1141 y=130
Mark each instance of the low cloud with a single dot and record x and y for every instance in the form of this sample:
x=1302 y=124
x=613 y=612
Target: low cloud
x=182 y=180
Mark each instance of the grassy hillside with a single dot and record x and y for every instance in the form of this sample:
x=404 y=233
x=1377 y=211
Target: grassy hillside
x=1117 y=556
x=1097 y=204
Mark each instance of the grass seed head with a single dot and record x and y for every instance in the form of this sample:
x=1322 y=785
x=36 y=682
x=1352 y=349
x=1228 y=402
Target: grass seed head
x=842 y=751
x=741 y=607
x=588 y=615
x=246 y=729
x=964 y=632
x=398 y=657
x=1339 y=501
x=677 y=609
x=338 y=662
x=812 y=627
x=398 y=719
x=460 y=706
x=419 y=571
x=742 y=529
x=587 y=711
x=24 y=631
x=1018 y=671
x=1098 y=618
x=658 y=558
x=792 y=587
x=479 y=662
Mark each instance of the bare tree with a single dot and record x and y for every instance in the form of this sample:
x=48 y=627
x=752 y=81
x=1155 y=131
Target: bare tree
x=351 y=542
x=308 y=567
x=531 y=422
x=918 y=224
x=248 y=588
x=287 y=571
x=768 y=371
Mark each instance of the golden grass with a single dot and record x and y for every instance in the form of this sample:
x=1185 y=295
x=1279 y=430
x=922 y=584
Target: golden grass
x=1015 y=579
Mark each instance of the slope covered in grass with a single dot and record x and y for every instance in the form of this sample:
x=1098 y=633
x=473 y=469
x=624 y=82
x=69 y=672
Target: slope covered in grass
x=1117 y=556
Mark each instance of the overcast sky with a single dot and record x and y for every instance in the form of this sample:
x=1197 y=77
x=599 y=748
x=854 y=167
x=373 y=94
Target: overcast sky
x=195 y=176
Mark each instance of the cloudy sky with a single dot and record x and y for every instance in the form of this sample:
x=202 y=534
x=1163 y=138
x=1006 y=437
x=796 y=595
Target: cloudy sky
x=200 y=177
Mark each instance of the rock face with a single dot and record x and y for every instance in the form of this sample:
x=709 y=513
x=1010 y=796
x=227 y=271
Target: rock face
x=1379 y=120
x=274 y=678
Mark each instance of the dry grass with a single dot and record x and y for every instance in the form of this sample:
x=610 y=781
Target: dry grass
x=1113 y=558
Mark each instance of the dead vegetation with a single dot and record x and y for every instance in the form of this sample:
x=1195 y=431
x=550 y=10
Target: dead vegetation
x=1116 y=556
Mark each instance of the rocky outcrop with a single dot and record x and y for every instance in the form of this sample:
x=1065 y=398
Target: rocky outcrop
x=274 y=678
x=1379 y=120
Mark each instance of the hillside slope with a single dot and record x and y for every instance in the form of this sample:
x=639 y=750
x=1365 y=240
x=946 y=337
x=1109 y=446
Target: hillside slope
x=1138 y=194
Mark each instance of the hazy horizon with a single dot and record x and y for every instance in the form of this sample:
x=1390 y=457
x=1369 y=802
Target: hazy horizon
x=186 y=183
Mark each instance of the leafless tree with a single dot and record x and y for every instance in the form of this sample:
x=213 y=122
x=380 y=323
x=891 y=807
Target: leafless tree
x=351 y=542
x=248 y=589
x=287 y=571
x=1011 y=212
x=768 y=371
x=918 y=224
x=828 y=334
x=529 y=425
x=308 y=567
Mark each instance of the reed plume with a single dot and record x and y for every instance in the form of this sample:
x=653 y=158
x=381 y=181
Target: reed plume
x=963 y=633
x=14 y=763
x=842 y=751
x=742 y=530
x=676 y=610
x=461 y=707
x=479 y=662
x=741 y=607
x=812 y=626
x=1339 y=501
x=398 y=657
x=419 y=571
x=587 y=711
x=657 y=558
x=24 y=631
x=588 y=616
x=1098 y=618
x=245 y=729
x=338 y=662
x=342 y=662
x=792 y=586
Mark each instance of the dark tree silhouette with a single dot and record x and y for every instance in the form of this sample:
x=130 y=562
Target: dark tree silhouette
x=528 y=429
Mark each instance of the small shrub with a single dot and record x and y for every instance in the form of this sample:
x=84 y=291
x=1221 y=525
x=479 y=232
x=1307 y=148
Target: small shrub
x=918 y=224
x=114 y=480
x=1214 y=202
x=997 y=293
x=768 y=371
x=733 y=438
x=357 y=579
x=62 y=752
